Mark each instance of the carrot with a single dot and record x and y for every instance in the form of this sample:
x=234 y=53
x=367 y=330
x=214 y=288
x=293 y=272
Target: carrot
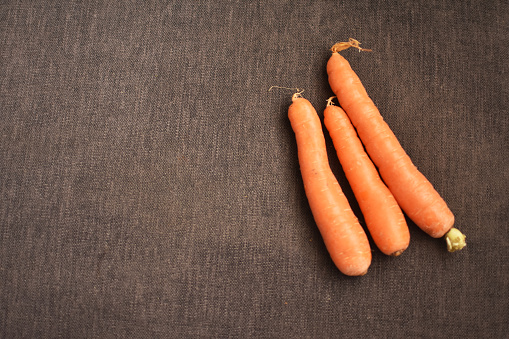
x=414 y=193
x=343 y=236
x=382 y=214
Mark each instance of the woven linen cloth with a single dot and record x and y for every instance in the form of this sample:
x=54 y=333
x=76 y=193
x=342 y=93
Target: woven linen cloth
x=150 y=186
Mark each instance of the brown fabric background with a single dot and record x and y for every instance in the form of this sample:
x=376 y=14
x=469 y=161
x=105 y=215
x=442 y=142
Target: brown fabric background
x=149 y=183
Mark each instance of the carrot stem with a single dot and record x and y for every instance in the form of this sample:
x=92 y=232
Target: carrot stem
x=455 y=240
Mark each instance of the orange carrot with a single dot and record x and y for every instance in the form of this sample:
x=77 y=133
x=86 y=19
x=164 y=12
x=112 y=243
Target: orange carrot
x=382 y=214
x=343 y=236
x=414 y=193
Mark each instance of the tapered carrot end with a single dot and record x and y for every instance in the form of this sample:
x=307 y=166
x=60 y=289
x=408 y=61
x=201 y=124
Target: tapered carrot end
x=297 y=95
x=363 y=273
x=397 y=253
x=340 y=46
x=329 y=101
x=455 y=240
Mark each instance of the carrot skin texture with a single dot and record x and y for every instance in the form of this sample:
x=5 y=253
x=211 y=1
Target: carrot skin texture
x=414 y=193
x=382 y=214
x=343 y=236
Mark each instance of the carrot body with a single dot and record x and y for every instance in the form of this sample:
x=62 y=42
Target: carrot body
x=343 y=236
x=383 y=216
x=414 y=193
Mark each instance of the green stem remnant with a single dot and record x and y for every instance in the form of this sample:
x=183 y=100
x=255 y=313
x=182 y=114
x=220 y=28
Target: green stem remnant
x=455 y=240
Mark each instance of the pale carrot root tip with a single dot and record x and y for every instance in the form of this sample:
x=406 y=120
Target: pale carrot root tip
x=363 y=273
x=297 y=94
x=340 y=46
x=329 y=101
x=455 y=240
x=397 y=253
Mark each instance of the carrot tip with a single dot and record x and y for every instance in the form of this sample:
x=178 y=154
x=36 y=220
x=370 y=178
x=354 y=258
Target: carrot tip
x=397 y=253
x=455 y=240
x=329 y=101
x=298 y=94
x=290 y=88
x=340 y=46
